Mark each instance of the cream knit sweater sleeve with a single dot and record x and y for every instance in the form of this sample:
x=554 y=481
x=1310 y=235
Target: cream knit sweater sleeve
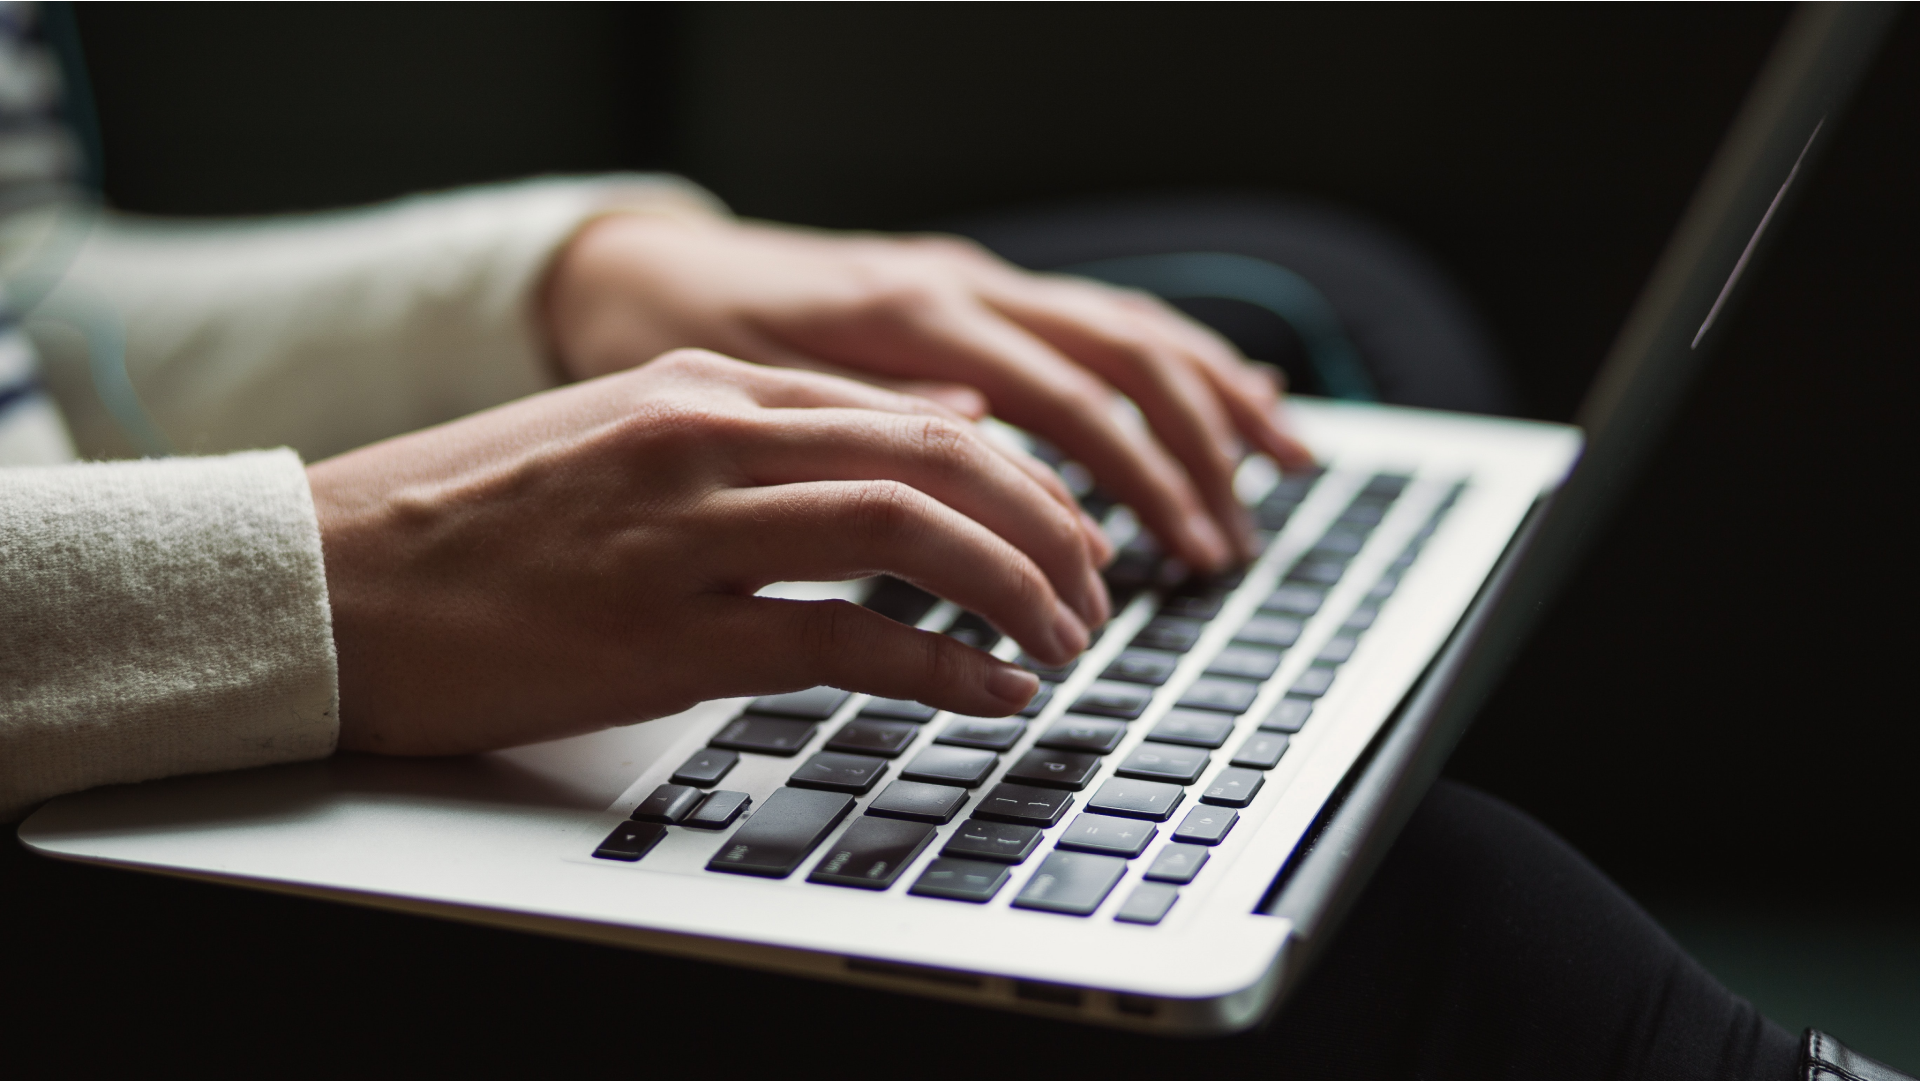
x=324 y=332
x=170 y=616
x=159 y=617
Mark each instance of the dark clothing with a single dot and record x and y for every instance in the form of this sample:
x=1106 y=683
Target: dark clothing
x=1484 y=948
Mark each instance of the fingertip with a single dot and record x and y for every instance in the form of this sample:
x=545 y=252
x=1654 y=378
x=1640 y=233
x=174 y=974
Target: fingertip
x=1012 y=685
x=1070 y=636
x=1099 y=548
x=1207 y=543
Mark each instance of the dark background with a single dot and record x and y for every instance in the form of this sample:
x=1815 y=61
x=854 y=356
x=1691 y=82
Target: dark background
x=1718 y=703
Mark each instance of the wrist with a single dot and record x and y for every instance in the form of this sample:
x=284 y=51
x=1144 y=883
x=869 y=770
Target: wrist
x=596 y=311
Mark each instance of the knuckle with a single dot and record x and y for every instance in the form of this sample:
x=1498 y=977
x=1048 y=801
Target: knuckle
x=677 y=429
x=944 y=443
x=945 y=661
x=691 y=362
x=898 y=300
x=885 y=512
x=829 y=632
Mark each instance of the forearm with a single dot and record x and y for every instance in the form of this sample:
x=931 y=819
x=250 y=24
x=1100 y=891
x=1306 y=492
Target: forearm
x=327 y=331
x=159 y=618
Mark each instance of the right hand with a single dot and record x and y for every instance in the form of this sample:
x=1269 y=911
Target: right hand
x=589 y=556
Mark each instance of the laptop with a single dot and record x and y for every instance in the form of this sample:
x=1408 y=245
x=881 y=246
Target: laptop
x=1166 y=837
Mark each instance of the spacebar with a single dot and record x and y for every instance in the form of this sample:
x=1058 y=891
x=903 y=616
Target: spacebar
x=787 y=827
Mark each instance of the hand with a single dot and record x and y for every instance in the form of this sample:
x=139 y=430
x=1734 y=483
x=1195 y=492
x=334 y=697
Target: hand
x=1050 y=354
x=588 y=557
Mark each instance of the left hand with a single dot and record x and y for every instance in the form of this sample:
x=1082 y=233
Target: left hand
x=943 y=318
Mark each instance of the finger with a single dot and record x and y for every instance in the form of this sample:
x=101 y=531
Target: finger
x=789 y=388
x=1178 y=401
x=1030 y=384
x=835 y=530
x=811 y=387
x=945 y=459
x=1251 y=393
x=788 y=645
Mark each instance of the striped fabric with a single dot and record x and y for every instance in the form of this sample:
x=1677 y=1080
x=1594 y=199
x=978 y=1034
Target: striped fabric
x=39 y=160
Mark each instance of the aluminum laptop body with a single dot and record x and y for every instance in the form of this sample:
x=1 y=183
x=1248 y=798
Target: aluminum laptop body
x=1145 y=897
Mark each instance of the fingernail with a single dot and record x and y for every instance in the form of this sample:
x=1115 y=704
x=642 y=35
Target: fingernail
x=1069 y=633
x=1014 y=686
x=1206 y=536
x=1242 y=532
x=1097 y=543
x=1102 y=604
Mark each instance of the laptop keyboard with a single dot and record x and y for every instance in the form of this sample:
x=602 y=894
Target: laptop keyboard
x=953 y=790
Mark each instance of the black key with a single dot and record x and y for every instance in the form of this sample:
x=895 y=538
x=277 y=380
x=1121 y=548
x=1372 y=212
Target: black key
x=1002 y=841
x=1277 y=632
x=919 y=801
x=900 y=601
x=1262 y=750
x=782 y=832
x=1200 y=604
x=1362 y=618
x=667 y=804
x=1149 y=666
x=1123 y=700
x=1364 y=512
x=717 y=811
x=884 y=738
x=1131 y=798
x=706 y=767
x=1233 y=787
x=629 y=841
x=1341 y=541
x=1130 y=571
x=1244 y=662
x=1337 y=649
x=1040 y=699
x=991 y=733
x=813 y=704
x=962 y=880
x=1049 y=673
x=1386 y=486
x=1048 y=768
x=1294 y=600
x=1148 y=903
x=1206 y=825
x=1169 y=633
x=1288 y=715
x=1314 y=681
x=1225 y=695
x=1164 y=762
x=1177 y=863
x=974 y=631
x=1297 y=484
x=836 y=772
x=951 y=765
x=1383 y=588
x=1123 y=837
x=766 y=735
x=1024 y=804
x=1090 y=734
x=1073 y=883
x=872 y=853
x=1323 y=572
x=1192 y=727
x=1272 y=514
x=898 y=709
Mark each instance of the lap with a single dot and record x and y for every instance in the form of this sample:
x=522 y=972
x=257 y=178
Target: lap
x=1483 y=947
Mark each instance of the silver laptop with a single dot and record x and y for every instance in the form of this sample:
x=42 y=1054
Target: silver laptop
x=1167 y=835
